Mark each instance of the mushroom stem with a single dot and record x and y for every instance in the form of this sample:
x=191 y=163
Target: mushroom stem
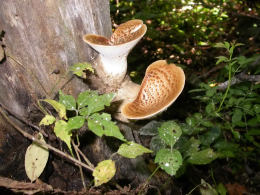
x=112 y=69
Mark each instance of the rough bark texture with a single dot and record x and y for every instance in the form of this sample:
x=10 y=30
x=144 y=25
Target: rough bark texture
x=41 y=40
x=45 y=37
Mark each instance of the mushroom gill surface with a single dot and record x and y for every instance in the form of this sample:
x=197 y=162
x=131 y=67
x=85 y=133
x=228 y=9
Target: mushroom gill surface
x=160 y=87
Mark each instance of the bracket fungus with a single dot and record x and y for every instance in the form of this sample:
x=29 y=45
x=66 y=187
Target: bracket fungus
x=160 y=87
x=112 y=59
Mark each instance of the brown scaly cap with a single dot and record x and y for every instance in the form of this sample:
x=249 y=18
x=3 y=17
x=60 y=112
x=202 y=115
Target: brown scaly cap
x=124 y=33
x=160 y=87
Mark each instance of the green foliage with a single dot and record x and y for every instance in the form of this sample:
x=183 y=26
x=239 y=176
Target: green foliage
x=104 y=172
x=132 y=150
x=79 y=68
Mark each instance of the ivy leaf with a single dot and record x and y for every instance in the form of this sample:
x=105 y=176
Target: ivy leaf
x=36 y=158
x=47 y=120
x=104 y=172
x=169 y=160
x=132 y=150
x=61 y=131
x=75 y=122
x=101 y=124
x=60 y=108
x=67 y=100
x=170 y=132
x=78 y=69
x=203 y=157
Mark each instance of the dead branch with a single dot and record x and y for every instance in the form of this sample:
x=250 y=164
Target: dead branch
x=32 y=138
x=241 y=77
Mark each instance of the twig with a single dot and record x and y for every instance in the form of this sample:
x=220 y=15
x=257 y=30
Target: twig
x=238 y=79
x=80 y=167
x=84 y=157
x=23 y=120
x=32 y=138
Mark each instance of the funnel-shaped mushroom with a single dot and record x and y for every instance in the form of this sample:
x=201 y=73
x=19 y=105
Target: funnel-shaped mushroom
x=111 y=62
x=160 y=87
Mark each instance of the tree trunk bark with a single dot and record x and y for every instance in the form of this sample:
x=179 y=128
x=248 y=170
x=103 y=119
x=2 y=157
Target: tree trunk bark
x=41 y=40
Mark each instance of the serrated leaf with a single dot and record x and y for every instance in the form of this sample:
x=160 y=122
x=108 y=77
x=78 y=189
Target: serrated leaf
x=47 y=120
x=101 y=124
x=67 y=100
x=156 y=143
x=61 y=131
x=104 y=172
x=36 y=158
x=132 y=150
x=78 y=69
x=169 y=160
x=203 y=157
x=170 y=132
x=75 y=122
x=60 y=108
x=94 y=101
x=83 y=111
x=150 y=128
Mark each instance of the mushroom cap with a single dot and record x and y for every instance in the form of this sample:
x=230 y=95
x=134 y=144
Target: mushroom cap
x=122 y=40
x=160 y=87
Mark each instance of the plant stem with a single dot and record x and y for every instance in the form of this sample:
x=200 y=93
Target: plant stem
x=229 y=82
x=32 y=138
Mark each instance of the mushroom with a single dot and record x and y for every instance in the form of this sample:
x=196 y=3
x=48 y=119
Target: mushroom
x=160 y=87
x=112 y=59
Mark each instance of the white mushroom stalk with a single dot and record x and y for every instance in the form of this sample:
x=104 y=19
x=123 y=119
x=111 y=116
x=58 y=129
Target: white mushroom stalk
x=112 y=59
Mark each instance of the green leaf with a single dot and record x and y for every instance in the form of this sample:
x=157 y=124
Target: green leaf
x=67 y=100
x=256 y=108
x=169 y=160
x=78 y=69
x=207 y=189
x=156 y=143
x=227 y=45
x=237 y=116
x=132 y=150
x=104 y=172
x=221 y=189
x=221 y=59
x=75 y=122
x=190 y=147
x=47 y=120
x=61 y=131
x=203 y=157
x=60 y=108
x=94 y=101
x=220 y=45
x=36 y=158
x=150 y=128
x=210 y=109
x=170 y=132
x=210 y=136
x=101 y=124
